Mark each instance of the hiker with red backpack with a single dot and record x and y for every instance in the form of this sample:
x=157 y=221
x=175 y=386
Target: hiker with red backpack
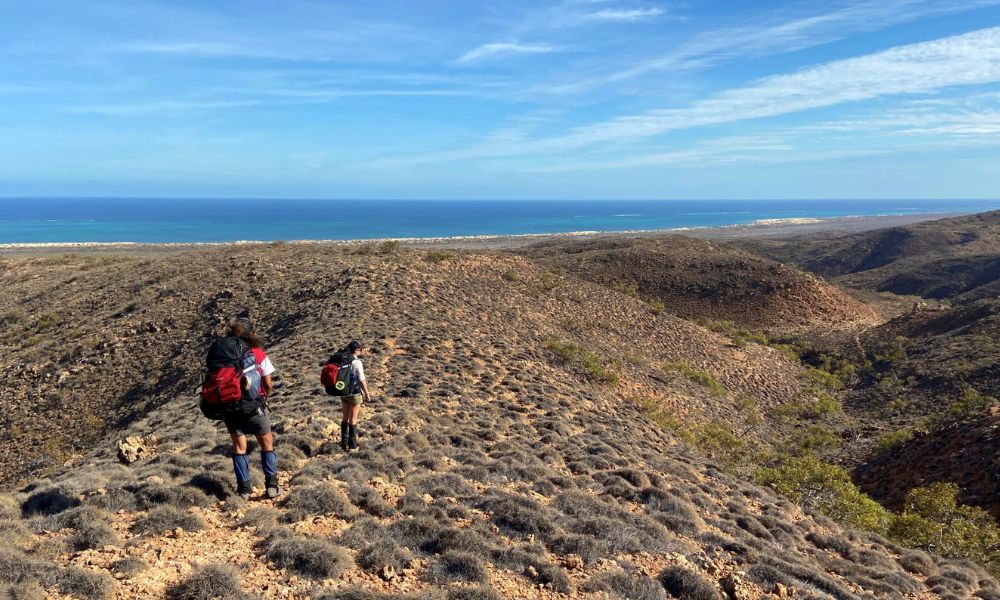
x=343 y=376
x=235 y=391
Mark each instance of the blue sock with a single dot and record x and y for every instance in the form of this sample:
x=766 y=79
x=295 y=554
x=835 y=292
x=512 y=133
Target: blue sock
x=242 y=467
x=269 y=461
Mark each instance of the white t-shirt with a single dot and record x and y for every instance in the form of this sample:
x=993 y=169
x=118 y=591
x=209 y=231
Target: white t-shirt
x=266 y=368
x=358 y=369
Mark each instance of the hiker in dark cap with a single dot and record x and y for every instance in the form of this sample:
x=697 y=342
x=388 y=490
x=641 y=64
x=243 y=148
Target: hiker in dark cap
x=250 y=415
x=344 y=377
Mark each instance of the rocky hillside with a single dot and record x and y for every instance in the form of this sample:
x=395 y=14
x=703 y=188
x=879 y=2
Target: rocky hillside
x=953 y=258
x=504 y=455
x=696 y=279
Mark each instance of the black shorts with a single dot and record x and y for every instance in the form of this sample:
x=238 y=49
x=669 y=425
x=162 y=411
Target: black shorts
x=258 y=424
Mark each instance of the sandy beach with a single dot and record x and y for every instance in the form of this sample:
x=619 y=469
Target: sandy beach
x=763 y=228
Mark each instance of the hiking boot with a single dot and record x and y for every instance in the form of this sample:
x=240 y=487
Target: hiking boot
x=272 y=487
x=352 y=437
x=343 y=436
x=243 y=490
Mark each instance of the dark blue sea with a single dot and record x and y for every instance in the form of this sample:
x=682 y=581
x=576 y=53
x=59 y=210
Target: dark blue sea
x=37 y=220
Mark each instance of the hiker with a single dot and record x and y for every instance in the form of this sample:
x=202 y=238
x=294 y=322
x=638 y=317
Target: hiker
x=344 y=377
x=236 y=392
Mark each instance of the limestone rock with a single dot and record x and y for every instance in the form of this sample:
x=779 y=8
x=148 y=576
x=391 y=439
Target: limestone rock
x=134 y=448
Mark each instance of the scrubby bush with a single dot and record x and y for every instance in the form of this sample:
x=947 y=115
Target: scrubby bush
x=631 y=586
x=827 y=487
x=93 y=535
x=381 y=552
x=129 y=566
x=933 y=519
x=168 y=518
x=209 y=582
x=702 y=378
x=47 y=502
x=114 y=500
x=84 y=584
x=682 y=583
x=437 y=256
x=889 y=440
x=594 y=367
x=459 y=566
x=916 y=561
x=314 y=558
x=29 y=590
x=260 y=517
x=473 y=593
x=370 y=501
x=319 y=499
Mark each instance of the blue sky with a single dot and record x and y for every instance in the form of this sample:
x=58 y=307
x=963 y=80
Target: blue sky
x=516 y=99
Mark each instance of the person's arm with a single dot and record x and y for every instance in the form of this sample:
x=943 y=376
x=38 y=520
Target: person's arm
x=364 y=391
x=359 y=371
x=266 y=386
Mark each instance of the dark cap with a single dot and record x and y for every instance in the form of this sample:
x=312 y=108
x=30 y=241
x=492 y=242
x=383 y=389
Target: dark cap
x=245 y=322
x=354 y=345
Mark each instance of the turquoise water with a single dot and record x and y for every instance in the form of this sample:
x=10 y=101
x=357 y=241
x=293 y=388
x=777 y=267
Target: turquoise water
x=49 y=220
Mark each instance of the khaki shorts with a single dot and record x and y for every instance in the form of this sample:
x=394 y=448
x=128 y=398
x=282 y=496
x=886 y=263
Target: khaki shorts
x=353 y=399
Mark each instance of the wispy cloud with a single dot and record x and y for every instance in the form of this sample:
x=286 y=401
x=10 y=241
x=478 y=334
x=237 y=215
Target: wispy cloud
x=968 y=59
x=635 y=14
x=504 y=48
x=780 y=32
x=927 y=67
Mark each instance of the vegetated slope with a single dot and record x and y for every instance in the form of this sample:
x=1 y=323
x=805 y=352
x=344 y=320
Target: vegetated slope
x=499 y=459
x=701 y=279
x=964 y=451
x=934 y=374
x=953 y=258
x=90 y=343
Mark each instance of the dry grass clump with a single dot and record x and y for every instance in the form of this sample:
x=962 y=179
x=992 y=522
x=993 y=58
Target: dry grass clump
x=47 y=502
x=29 y=590
x=114 y=500
x=459 y=566
x=92 y=536
x=381 y=552
x=149 y=495
x=129 y=566
x=473 y=593
x=369 y=500
x=168 y=518
x=260 y=517
x=314 y=558
x=682 y=583
x=919 y=562
x=632 y=586
x=517 y=515
x=318 y=499
x=209 y=582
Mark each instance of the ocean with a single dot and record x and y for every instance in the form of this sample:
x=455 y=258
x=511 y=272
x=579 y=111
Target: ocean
x=168 y=220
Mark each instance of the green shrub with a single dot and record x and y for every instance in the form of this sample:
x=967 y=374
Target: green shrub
x=656 y=306
x=891 y=439
x=511 y=275
x=625 y=286
x=438 y=256
x=388 y=247
x=827 y=487
x=550 y=280
x=593 y=366
x=47 y=321
x=703 y=378
x=932 y=519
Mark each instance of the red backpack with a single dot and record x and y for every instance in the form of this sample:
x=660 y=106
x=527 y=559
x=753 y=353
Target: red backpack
x=336 y=376
x=232 y=377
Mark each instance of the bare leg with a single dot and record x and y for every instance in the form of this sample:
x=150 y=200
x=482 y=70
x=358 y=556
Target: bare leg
x=353 y=411
x=239 y=443
x=266 y=442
